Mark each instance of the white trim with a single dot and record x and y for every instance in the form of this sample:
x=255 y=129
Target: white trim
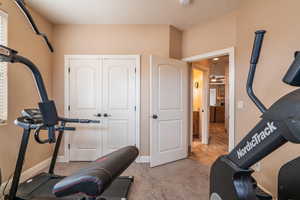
x=138 y=101
x=5 y=15
x=104 y=56
x=66 y=156
x=208 y=55
x=66 y=111
x=5 y=23
x=29 y=173
x=231 y=52
x=143 y=159
x=62 y=159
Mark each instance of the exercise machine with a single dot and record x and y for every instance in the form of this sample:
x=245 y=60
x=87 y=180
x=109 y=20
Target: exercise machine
x=22 y=6
x=230 y=177
x=99 y=179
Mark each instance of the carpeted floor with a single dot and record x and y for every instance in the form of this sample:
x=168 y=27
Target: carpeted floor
x=182 y=180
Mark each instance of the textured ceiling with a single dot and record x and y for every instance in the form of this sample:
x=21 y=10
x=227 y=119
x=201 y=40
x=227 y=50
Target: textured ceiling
x=132 y=11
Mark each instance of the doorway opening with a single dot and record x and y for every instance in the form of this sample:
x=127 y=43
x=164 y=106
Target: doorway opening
x=212 y=106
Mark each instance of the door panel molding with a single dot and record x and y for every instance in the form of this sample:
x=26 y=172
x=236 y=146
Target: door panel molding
x=168 y=110
x=67 y=59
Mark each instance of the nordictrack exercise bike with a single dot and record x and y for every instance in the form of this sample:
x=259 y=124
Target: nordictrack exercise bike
x=230 y=177
x=99 y=179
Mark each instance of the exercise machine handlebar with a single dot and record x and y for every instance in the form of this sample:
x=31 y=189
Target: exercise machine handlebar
x=258 y=41
x=259 y=37
x=21 y=5
x=81 y=121
x=60 y=128
x=10 y=55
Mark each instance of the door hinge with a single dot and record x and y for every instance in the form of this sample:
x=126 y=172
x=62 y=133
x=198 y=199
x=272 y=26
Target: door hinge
x=69 y=70
x=69 y=108
x=134 y=108
x=69 y=146
x=134 y=70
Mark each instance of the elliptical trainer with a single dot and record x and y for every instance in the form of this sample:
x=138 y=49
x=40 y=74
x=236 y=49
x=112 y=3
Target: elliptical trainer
x=230 y=177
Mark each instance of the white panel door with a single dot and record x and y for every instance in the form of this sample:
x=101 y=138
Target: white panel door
x=169 y=111
x=85 y=102
x=118 y=105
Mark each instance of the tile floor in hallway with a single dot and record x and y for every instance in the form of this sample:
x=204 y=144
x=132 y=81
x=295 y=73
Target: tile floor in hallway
x=218 y=145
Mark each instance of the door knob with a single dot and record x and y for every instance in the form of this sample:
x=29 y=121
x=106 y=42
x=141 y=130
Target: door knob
x=98 y=115
x=154 y=116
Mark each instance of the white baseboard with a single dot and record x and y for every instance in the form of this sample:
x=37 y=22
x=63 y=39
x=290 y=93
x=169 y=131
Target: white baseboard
x=143 y=159
x=29 y=173
x=62 y=159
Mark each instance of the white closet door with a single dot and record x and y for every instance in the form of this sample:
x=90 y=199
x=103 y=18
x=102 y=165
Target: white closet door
x=85 y=102
x=118 y=107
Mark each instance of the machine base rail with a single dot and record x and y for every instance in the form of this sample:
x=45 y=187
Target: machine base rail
x=40 y=187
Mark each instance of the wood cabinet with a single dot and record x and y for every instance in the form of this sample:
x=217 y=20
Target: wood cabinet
x=217 y=114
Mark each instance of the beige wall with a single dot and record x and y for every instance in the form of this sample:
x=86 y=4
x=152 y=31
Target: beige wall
x=112 y=39
x=21 y=88
x=280 y=18
x=175 y=43
x=216 y=34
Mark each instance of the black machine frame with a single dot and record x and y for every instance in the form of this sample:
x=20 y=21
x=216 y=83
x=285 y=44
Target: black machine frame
x=53 y=123
x=231 y=174
x=25 y=11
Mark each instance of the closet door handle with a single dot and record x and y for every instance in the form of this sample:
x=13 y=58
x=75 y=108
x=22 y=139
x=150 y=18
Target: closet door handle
x=98 y=115
x=154 y=116
x=106 y=115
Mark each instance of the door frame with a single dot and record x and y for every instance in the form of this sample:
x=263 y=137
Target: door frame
x=231 y=53
x=137 y=58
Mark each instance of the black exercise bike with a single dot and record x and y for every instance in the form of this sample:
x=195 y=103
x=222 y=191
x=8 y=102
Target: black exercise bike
x=230 y=177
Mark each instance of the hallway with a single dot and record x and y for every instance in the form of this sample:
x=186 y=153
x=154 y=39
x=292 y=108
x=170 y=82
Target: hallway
x=218 y=145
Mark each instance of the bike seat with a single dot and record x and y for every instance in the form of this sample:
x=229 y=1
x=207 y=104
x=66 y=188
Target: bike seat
x=95 y=179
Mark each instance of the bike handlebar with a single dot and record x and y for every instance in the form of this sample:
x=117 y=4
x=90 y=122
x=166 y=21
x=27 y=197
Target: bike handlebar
x=81 y=121
x=259 y=37
x=25 y=11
